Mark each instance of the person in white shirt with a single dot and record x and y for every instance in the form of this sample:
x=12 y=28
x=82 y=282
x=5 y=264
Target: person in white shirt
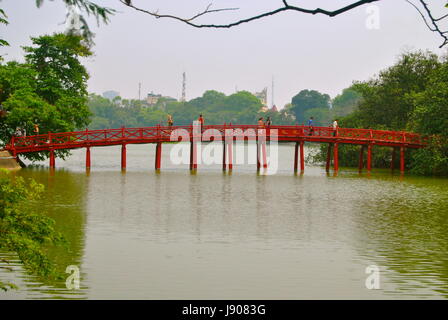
x=335 y=127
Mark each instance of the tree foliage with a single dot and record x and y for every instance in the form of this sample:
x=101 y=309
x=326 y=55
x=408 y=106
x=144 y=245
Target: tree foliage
x=306 y=100
x=217 y=108
x=411 y=95
x=24 y=230
x=49 y=89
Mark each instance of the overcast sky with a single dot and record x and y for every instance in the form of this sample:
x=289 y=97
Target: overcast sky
x=300 y=51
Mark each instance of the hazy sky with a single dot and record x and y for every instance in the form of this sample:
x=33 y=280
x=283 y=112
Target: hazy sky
x=300 y=51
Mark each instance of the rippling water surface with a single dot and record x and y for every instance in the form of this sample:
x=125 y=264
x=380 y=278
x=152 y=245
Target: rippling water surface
x=176 y=235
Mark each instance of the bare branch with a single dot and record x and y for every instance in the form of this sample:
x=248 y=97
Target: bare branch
x=286 y=7
x=426 y=14
x=435 y=27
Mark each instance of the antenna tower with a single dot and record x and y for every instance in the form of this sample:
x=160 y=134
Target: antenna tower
x=184 y=85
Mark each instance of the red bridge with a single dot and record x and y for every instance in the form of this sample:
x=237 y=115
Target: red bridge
x=366 y=138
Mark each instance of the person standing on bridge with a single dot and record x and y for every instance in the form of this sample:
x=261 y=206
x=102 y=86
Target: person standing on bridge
x=201 y=121
x=36 y=129
x=268 y=122
x=260 y=123
x=170 y=121
x=335 y=127
x=310 y=124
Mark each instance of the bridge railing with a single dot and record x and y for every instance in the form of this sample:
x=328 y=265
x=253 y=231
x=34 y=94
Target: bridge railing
x=163 y=133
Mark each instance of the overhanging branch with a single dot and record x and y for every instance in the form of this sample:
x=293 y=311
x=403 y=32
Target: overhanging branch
x=285 y=7
x=431 y=22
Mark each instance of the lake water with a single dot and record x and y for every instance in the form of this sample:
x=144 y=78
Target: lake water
x=214 y=235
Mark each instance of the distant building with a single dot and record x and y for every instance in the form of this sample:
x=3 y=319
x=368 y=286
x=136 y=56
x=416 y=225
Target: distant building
x=152 y=98
x=263 y=96
x=274 y=108
x=111 y=94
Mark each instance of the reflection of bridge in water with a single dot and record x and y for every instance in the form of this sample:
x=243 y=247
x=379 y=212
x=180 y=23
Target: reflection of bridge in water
x=366 y=138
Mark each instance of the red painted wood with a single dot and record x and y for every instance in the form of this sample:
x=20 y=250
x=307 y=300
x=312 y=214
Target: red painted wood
x=369 y=158
x=302 y=157
x=361 y=159
x=224 y=149
x=52 y=159
x=230 y=148
x=392 y=162
x=123 y=156
x=160 y=134
x=158 y=161
x=296 y=156
x=336 y=157
x=193 y=155
x=88 y=157
x=264 y=155
x=402 y=164
x=328 y=164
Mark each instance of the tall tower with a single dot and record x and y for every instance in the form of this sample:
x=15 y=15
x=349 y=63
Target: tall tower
x=184 y=85
x=139 y=91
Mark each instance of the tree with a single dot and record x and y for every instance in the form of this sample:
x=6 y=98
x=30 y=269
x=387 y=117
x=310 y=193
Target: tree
x=346 y=102
x=308 y=99
x=430 y=117
x=23 y=230
x=434 y=24
x=387 y=99
x=50 y=89
x=3 y=20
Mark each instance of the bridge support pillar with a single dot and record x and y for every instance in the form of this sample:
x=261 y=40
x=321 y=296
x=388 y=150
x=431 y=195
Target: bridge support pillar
x=327 y=167
x=361 y=158
x=123 y=157
x=402 y=165
x=369 y=158
x=263 y=151
x=258 y=155
x=193 y=156
x=302 y=157
x=158 y=161
x=392 y=161
x=224 y=153
x=87 y=157
x=296 y=157
x=52 y=159
x=230 y=149
x=336 y=157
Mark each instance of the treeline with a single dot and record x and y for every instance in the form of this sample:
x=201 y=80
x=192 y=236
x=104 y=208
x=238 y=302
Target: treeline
x=217 y=108
x=411 y=95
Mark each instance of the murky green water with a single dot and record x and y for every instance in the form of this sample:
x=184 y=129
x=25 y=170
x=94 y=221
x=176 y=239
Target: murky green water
x=173 y=235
